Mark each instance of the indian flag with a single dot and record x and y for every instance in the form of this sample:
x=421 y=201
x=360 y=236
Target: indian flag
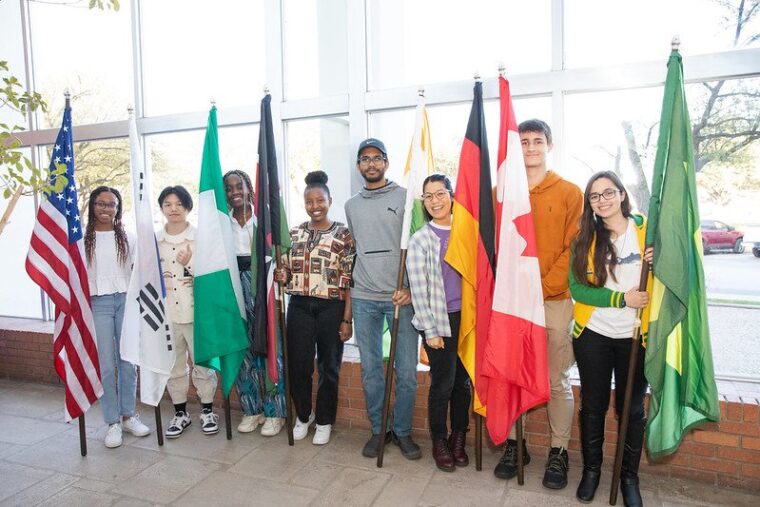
x=419 y=165
x=679 y=365
x=219 y=320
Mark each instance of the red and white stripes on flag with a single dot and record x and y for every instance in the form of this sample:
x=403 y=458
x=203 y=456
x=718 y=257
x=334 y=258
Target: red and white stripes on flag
x=515 y=359
x=55 y=262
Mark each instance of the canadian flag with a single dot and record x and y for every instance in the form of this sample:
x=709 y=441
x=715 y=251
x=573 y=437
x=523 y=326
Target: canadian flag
x=515 y=358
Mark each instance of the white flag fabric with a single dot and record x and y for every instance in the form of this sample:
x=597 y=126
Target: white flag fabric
x=146 y=338
x=419 y=165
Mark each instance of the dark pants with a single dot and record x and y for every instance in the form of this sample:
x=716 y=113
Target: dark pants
x=313 y=323
x=598 y=357
x=450 y=389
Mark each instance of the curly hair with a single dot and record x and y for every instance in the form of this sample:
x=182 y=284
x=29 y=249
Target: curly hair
x=120 y=235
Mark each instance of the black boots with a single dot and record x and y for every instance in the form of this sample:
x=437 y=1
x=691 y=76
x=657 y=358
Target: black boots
x=592 y=439
x=629 y=475
x=507 y=466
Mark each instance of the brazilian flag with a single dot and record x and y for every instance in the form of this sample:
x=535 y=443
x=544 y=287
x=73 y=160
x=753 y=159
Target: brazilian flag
x=679 y=364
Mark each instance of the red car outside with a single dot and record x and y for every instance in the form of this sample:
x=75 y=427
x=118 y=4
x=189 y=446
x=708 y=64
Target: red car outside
x=717 y=235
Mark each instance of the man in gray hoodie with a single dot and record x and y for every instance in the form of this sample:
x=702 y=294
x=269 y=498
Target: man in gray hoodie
x=375 y=216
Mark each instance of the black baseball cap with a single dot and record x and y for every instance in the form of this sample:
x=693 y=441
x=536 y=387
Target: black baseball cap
x=371 y=143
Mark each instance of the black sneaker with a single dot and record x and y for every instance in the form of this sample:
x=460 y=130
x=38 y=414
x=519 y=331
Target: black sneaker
x=507 y=466
x=177 y=425
x=209 y=422
x=372 y=447
x=555 y=476
x=409 y=449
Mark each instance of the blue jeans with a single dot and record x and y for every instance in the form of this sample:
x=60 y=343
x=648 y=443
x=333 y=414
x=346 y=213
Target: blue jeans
x=119 y=377
x=368 y=325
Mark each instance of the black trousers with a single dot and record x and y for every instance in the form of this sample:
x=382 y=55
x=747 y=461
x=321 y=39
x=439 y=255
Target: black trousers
x=450 y=388
x=313 y=325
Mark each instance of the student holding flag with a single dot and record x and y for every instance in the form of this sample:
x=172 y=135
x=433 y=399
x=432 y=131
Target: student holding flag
x=375 y=218
x=262 y=402
x=604 y=276
x=176 y=245
x=437 y=298
x=109 y=267
x=317 y=271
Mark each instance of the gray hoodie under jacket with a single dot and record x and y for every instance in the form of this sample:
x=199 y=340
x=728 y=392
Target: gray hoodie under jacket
x=375 y=218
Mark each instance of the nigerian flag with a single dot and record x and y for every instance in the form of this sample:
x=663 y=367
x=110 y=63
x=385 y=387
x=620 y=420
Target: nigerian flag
x=679 y=365
x=219 y=316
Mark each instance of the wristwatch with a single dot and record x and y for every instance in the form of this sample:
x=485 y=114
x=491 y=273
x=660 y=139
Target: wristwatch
x=622 y=302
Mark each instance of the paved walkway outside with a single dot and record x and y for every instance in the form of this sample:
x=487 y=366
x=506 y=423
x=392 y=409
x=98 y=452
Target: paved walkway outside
x=40 y=465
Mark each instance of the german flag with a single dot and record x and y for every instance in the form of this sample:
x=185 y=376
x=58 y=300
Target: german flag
x=471 y=246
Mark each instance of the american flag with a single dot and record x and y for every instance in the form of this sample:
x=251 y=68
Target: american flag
x=56 y=263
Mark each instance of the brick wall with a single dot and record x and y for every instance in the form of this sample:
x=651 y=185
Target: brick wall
x=724 y=454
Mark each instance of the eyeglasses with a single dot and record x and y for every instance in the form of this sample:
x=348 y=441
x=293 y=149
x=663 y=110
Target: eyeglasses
x=376 y=160
x=607 y=194
x=440 y=195
x=106 y=205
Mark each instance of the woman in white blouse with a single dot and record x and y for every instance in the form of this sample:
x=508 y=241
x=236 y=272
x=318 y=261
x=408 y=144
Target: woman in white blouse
x=109 y=266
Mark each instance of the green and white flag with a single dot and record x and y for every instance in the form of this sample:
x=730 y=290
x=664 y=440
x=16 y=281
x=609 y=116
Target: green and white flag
x=219 y=325
x=419 y=165
x=679 y=364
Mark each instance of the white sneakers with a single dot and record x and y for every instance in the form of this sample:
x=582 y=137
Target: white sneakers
x=301 y=429
x=322 y=435
x=272 y=426
x=113 y=436
x=135 y=426
x=250 y=423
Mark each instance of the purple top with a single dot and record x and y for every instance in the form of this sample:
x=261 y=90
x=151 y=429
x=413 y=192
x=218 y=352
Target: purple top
x=452 y=280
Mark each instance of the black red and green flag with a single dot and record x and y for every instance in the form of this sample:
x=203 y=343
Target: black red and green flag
x=472 y=246
x=270 y=230
x=679 y=364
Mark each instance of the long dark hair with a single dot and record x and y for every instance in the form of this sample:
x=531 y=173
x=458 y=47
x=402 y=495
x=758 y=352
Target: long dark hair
x=592 y=229
x=122 y=244
x=446 y=183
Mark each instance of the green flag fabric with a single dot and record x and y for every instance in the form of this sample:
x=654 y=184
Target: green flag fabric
x=679 y=364
x=219 y=316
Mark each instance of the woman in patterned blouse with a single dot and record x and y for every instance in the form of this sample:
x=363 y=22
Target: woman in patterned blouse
x=317 y=271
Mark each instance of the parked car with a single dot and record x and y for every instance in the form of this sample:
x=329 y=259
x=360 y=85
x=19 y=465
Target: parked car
x=717 y=235
x=756 y=249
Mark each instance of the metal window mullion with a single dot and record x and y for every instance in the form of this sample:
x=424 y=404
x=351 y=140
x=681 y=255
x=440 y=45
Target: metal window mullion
x=357 y=80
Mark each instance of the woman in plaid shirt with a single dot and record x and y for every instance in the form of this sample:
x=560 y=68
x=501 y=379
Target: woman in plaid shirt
x=437 y=298
x=318 y=273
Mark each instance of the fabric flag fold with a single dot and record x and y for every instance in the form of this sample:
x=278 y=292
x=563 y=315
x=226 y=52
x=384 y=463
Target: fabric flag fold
x=471 y=247
x=56 y=262
x=219 y=327
x=419 y=165
x=146 y=338
x=515 y=357
x=271 y=230
x=678 y=365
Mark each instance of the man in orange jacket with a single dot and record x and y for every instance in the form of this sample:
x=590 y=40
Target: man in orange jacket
x=556 y=205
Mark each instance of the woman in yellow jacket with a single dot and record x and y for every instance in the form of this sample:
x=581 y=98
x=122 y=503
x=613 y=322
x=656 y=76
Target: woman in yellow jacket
x=604 y=276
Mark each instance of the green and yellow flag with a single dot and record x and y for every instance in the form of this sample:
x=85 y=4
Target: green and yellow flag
x=679 y=365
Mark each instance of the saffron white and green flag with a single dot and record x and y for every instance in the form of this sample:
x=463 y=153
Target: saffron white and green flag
x=419 y=165
x=679 y=363
x=219 y=317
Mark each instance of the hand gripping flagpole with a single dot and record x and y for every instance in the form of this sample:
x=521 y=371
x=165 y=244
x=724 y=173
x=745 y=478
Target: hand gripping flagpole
x=82 y=429
x=392 y=353
x=632 y=364
x=284 y=335
x=227 y=414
